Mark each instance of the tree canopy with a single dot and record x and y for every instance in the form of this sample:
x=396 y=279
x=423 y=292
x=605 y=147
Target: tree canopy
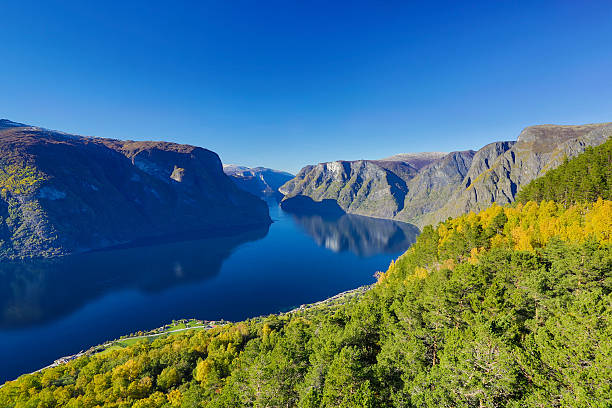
x=586 y=177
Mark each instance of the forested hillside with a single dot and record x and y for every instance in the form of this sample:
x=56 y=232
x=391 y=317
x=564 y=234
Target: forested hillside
x=583 y=178
x=509 y=307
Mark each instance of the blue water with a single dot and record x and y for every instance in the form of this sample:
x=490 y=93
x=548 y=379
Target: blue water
x=49 y=309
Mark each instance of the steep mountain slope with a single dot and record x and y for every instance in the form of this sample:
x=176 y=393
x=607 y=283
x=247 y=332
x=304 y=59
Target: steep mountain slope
x=537 y=150
x=427 y=188
x=63 y=193
x=260 y=181
x=586 y=177
x=434 y=183
x=366 y=187
x=388 y=188
x=375 y=188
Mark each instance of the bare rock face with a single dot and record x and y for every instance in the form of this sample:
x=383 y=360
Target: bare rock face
x=434 y=184
x=537 y=150
x=365 y=187
x=425 y=188
x=388 y=188
x=63 y=193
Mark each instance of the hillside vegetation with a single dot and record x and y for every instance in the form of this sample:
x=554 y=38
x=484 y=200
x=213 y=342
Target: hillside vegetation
x=509 y=307
x=584 y=178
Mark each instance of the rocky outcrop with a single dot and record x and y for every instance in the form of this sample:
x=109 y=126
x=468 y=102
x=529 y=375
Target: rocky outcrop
x=365 y=187
x=434 y=184
x=63 y=193
x=388 y=188
x=426 y=188
x=259 y=181
x=537 y=150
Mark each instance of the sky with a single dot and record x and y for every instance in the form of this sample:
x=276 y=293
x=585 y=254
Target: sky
x=284 y=84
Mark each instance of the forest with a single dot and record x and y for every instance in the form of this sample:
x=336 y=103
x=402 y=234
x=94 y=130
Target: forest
x=510 y=307
x=584 y=178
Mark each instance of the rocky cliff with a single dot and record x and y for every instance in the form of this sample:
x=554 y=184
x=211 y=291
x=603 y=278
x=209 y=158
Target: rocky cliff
x=504 y=169
x=260 y=181
x=63 y=193
x=364 y=187
x=426 y=188
x=388 y=188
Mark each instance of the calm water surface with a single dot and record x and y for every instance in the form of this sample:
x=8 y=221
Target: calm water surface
x=49 y=309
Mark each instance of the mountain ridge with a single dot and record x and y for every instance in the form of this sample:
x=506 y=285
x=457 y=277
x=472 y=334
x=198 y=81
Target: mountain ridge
x=450 y=184
x=260 y=181
x=63 y=193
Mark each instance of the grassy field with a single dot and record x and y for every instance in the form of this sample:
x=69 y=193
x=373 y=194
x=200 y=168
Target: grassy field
x=168 y=330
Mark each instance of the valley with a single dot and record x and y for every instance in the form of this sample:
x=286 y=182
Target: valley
x=337 y=226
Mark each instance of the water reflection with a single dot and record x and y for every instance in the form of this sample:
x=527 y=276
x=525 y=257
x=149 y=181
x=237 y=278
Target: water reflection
x=54 y=308
x=363 y=236
x=35 y=292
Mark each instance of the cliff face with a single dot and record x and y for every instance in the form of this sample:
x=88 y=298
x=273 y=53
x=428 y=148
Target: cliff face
x=441 y=186
x=364 y=187
x=537 y=150
x=433 y=185
x=63 y=193
x=388 y=188
x=259 y=181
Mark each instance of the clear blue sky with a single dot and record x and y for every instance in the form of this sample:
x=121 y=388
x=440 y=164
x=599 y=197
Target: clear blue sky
x=288 y=83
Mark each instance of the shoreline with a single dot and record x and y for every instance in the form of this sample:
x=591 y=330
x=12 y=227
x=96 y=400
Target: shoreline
x=202 y=324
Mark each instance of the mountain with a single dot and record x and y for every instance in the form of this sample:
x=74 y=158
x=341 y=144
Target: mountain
x=374 y=188
x=259 y=181
x=501 y=170
x=587 y=177
x=62 y=193
x=425 y=188
x=417 y=160
x=379 y=188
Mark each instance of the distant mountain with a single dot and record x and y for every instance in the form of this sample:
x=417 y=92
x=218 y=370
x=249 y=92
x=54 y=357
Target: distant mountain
x=260 y=181
x=426 y=188
x=361 y=187
x=417 y=160
x=62 y=193
x=381 y=188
